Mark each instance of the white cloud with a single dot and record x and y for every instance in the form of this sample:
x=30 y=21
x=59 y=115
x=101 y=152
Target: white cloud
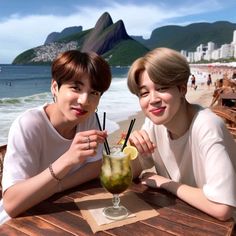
x=19 y=33
x=142 y=19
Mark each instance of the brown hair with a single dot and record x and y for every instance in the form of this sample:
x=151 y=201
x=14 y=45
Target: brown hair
x=70 y=65
x=164 y=67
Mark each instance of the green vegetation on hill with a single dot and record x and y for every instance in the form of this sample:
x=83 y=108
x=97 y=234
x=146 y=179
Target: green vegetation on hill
x=190 y=36
x=24 y=57
x=125 y=53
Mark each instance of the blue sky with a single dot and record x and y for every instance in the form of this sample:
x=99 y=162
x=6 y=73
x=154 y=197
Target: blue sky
x=26 y=24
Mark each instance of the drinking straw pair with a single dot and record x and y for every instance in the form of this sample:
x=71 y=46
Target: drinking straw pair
x=107 y=149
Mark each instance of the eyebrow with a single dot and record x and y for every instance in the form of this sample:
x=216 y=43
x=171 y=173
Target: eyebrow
x=77 y=82
x=142 y=87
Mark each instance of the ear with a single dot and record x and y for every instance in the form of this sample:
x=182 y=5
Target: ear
x=54 y=88
x=183 y=89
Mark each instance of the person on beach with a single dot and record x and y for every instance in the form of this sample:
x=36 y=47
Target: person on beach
x=209 y=81
x=193 y=82
x=57 y=146
x=193 y=153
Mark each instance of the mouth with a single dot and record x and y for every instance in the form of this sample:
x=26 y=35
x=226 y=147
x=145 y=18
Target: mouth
x=157 y=111
x=79 y=111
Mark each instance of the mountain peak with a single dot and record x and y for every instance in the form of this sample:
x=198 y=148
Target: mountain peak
x=105 y=35
x=104 y=21
x=55 y=36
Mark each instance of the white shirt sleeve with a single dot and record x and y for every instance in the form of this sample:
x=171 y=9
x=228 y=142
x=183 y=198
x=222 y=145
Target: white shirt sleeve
x=218 y=154
x=23 y=151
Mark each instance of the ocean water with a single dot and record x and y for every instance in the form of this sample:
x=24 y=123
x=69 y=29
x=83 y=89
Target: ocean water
x=24 y=87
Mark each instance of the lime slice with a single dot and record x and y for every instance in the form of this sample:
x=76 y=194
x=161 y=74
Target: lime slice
x=132 y=151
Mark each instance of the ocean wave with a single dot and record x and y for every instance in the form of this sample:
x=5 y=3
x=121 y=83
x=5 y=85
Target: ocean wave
x=7 y=101
x=27 y=99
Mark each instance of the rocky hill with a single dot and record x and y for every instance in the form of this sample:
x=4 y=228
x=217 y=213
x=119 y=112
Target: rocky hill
x=190 y=36
x=105 y=35
x=55 y=36
x=107 y=39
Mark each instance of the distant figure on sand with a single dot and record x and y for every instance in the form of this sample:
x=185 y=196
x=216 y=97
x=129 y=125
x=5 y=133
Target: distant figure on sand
x=193 y=82
x=58 y=145
x=209 y=81
x=190 y=146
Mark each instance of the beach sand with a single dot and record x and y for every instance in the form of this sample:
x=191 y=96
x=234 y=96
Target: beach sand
x=202 y=96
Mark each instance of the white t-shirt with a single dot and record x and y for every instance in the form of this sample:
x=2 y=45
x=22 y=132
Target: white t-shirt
x=33 y=143
x=204 y=157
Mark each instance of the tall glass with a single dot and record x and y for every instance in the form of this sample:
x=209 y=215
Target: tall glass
x=116 y=176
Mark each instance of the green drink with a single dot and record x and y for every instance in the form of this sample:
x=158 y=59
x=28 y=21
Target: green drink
x=116 y=176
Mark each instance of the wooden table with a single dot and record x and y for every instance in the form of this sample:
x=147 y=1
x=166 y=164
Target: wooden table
x=59 y=215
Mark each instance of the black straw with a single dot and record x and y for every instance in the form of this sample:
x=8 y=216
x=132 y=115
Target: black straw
x=100 y=127
x=104 y=121
x=128 y=133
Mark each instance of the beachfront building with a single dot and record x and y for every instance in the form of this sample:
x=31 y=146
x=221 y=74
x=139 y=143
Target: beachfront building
x=200 y=52
x=211 y=46
x=184 y=52
x=211 y=52
x=215 y=55
x=234 y=38
x=226 y=51
x=234 y=50
x=234 y=44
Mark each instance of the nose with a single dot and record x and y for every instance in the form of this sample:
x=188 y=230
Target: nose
x=83 y=98
x=154 y=97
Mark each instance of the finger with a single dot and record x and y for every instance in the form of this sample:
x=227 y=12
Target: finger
x=93 y=145
x=85 y=154
x=147 y=140
x=147 y=175
x=138 y=139
x=134 y=140
x=85 y=137
x=89 y=152
x=102 y=133
x=88 y=144
x=97 y=138
x=150 y=182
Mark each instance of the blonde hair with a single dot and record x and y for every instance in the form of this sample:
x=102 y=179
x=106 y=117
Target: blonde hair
x=164 y=67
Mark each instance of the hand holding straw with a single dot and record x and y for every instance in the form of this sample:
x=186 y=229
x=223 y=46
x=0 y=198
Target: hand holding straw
x=107 y=149
x=128 y=133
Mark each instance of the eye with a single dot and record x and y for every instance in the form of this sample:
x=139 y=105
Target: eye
x=75 y=87
x=162 y=89
x=96 y=93
x=143 y=93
